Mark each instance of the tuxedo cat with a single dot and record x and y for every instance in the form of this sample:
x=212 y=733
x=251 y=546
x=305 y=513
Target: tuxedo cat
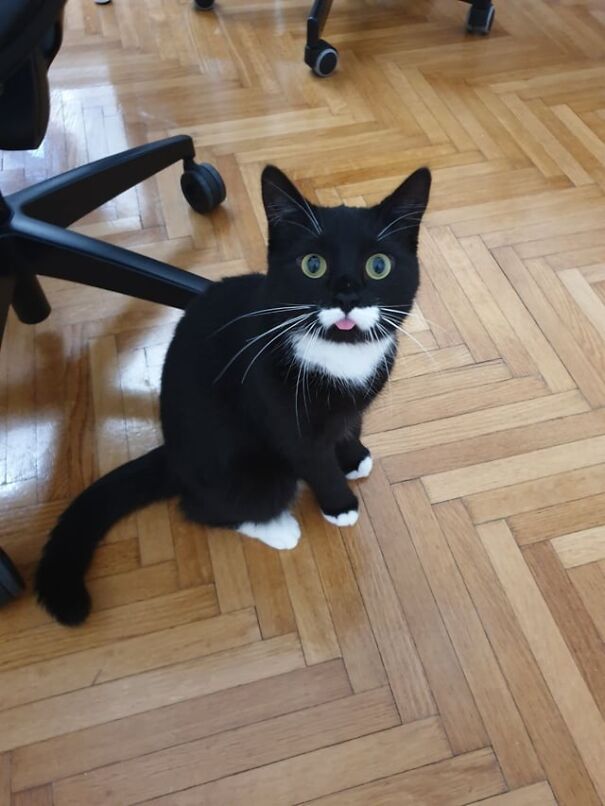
x=265 y=383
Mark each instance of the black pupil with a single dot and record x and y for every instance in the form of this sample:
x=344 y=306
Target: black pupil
x=379 y=265
x=314 y=264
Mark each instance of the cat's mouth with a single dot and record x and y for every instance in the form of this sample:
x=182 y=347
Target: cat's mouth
x=357 y=322
x=345 y=324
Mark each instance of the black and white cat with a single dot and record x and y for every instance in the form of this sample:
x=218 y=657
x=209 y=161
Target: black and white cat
x=265 y=383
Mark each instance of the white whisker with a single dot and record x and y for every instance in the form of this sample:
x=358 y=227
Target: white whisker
x=302 y=371
x=409 y=336
x=399 y=229
x=414 y=314
x=262 y=312
x=297 y=320
x=250 y=342
x=412 y=213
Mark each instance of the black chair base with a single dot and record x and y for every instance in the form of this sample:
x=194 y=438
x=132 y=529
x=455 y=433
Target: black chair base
x=11 y=584
x=34 y=241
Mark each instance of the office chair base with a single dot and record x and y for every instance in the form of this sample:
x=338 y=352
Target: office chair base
x=11 y=584
x=203 y=5
x=322 y=58
x=480 y=20
x=34 y=239
x=202 y=186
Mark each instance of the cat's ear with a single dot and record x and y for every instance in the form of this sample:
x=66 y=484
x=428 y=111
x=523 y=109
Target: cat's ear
x=283 y=201
x=401 y=212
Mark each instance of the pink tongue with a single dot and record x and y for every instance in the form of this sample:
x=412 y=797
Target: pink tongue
x=345 y=324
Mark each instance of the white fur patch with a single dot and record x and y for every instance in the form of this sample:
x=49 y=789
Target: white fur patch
x=282 y=532
x=344 y=518
x=354 y=363
x=364 y=318
x=363 y=470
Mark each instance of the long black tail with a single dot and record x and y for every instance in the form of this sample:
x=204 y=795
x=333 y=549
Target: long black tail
x=70 y=548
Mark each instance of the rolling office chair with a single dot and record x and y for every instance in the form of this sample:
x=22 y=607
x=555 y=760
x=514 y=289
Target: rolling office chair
x=33 y=235
x=322 y=57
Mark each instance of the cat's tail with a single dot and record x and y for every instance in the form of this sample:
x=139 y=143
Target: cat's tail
x=70 y=548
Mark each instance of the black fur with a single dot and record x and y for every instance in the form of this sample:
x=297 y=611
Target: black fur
x=238 y=436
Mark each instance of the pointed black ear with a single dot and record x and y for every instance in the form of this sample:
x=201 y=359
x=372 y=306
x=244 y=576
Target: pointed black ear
x=283 y=201
x=402 y=211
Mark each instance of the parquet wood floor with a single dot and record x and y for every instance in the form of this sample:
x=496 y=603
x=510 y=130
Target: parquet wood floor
x=447 y=650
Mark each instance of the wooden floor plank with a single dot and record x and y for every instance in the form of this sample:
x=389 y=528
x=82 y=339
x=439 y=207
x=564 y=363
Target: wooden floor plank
x=572 y=618
x=588 y=580
x=578 y=548
x=410 y=687
x=5 y=779
x=573 y=697
x=467 y=426
x=151 y=731
x=269 y=589
x=446 y=782
x=324 y=771
x=49 y=678
x=230 y=571
x=505 y=472
x=86 y=707
x=107 y=626
x=410 y=464
x=461 y=719
x=534 y=795
x=313 y=619
x=536 y=495
x=516 y=756
x=351 y=624
x=552 y=740
x=225 y=754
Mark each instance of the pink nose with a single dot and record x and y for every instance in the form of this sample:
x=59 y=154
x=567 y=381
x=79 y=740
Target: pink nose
x=345 y=324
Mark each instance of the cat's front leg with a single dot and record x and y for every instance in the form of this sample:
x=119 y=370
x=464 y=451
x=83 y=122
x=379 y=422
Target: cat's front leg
x=354 y=458
x=322 y=472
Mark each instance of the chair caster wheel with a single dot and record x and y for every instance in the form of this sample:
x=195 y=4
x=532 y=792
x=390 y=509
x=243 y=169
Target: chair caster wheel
x=11 y=584
x=479 y=20
x=202 y=186
x=203 y=5
x=322 y=58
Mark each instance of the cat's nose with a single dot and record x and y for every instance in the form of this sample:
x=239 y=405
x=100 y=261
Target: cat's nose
x=347 y=300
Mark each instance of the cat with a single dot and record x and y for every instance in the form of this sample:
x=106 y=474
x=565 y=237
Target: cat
x=265 y=383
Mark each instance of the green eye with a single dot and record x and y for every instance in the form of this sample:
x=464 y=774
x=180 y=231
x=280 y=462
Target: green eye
x=314 y=266
x=378 y=266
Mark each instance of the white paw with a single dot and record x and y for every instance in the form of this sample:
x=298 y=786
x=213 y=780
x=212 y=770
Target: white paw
x=282 y=532
x=344 y=518
x=363 y=470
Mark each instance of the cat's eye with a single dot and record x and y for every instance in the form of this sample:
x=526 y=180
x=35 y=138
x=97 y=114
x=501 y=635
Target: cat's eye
x=314 y=266
x=378 y=266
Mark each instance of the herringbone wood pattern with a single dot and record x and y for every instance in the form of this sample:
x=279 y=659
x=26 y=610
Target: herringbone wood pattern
x=447 y=650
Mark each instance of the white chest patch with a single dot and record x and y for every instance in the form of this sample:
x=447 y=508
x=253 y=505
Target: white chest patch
x=352 y=363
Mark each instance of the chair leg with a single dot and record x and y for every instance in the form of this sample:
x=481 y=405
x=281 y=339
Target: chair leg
x=11 y=583
x=480 y=16
x=316 y=21
x=321 y=57
x=7 y=286
x=29 y=300
x=64 y=199
x=56 y=252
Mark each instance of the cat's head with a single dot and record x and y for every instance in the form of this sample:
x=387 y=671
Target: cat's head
x=354 y=268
